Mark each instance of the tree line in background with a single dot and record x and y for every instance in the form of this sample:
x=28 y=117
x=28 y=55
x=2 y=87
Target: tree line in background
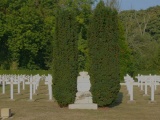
x=142 y=34
x=27 y=30
x=27 y=35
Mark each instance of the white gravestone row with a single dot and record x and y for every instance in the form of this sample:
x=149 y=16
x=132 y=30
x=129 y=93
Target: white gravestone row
x=33 y=82
x=148 y=80
x=3 y=82
x=129 y=83
x=17 y=80
x=48 y=82
x=11 y=82
x=143 y=82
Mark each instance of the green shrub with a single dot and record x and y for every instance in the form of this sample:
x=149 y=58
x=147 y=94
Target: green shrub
x=27 y=72
x=103 y=47
x=65 y=61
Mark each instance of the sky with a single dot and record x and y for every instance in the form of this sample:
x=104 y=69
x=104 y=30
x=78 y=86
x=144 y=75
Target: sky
x=137 y=4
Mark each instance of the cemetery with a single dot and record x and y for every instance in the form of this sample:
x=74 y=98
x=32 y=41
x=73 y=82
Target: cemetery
x=78 y=60
x=25 y=80
x=33 y=94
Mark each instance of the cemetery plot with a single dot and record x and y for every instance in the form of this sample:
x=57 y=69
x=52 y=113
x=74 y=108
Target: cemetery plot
x=42 y=110
x=141 y=110
x=25 y=87
x=129 y=84
x=48 y=82
x=144 y=82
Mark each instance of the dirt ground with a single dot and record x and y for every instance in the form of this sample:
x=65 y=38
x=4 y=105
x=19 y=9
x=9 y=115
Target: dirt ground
x=42 y=109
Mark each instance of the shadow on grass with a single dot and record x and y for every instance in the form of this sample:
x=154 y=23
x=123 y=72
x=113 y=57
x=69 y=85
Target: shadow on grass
x=39 y=99
x=118 y=100
x=4 y=97
x=12 y=114
x=22 y=98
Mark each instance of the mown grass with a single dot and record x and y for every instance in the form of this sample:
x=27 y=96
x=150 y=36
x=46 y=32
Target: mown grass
x=42 y=109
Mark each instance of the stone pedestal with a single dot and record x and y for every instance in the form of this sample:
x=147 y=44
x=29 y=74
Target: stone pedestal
x=83 y=96
x=5 y=113
x=83 y=106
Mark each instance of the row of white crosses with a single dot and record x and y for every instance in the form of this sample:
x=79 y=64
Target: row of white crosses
x=129 y=83
x=33 y=82
x=17 y=79
x=3 y=80
x=151 y=80
x=48 y=81
x=11 y=81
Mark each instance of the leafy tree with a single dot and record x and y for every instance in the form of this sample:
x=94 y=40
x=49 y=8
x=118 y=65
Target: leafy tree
x=4 y=53
x=29 y=27
x=145 y=52
x=126 y=60
x=141 y=30
x=35 y=19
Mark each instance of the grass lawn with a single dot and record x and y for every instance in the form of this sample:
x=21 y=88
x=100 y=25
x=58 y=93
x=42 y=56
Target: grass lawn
x=42 y=109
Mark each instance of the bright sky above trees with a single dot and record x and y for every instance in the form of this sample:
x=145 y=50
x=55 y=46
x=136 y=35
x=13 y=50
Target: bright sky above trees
x=137 y=4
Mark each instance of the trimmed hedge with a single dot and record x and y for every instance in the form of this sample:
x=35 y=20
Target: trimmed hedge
x=103 y=46
x=27 y=72
x=65 y=62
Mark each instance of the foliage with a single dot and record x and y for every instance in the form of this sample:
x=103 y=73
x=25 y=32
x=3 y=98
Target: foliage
x=154 y=24
x=141 y=33
x=126 y=62
x=103 y=38
x=27 y=28
x=27 y=32
x=65 y=62
x=26 y=72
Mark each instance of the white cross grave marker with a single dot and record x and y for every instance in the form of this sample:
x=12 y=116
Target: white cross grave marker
x=11 y=82
x=30 y=82
x=131 y=90
x=3 y=86
x=48 y=81
x=18 y=80
x=146 y=84
x=152 y=91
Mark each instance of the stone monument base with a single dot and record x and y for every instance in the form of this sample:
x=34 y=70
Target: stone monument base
x=83 y=106
x=5 y=113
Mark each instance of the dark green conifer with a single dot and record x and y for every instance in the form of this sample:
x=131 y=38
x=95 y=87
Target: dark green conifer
x=65 y=59
x=103 y=46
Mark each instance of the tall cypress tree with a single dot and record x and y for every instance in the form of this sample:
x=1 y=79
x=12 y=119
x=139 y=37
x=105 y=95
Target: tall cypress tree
x=65 y=59
x=103 y=55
